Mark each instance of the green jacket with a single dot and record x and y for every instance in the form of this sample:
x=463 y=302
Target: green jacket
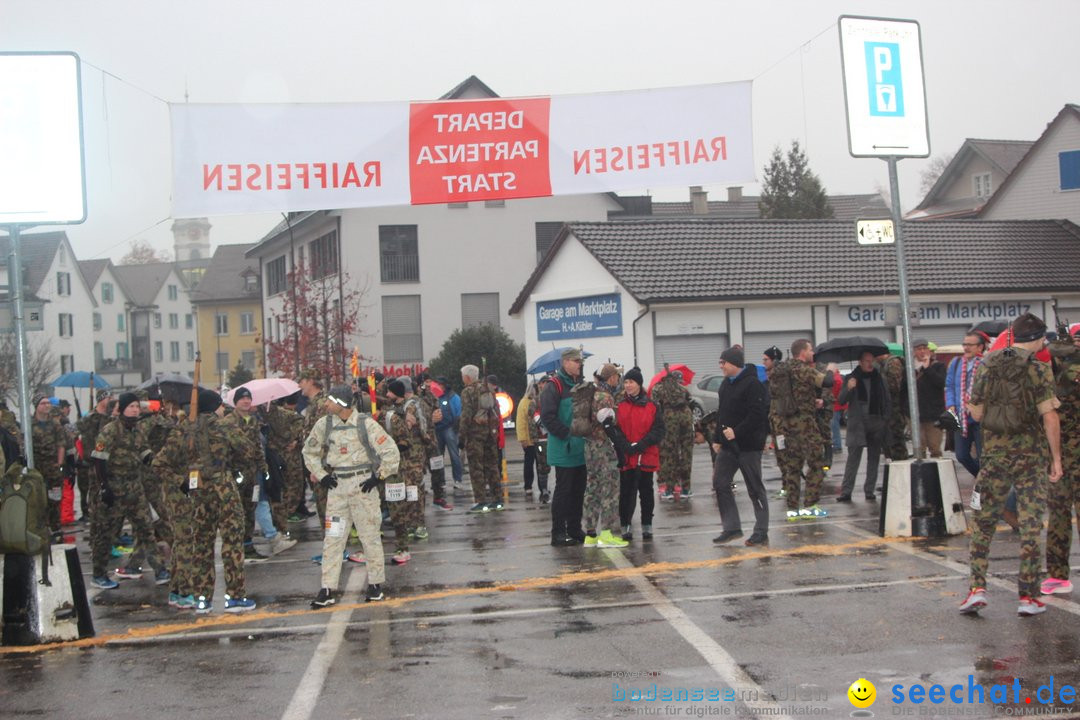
x=556 y=413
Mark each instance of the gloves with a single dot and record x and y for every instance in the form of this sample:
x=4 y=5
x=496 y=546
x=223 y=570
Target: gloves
x=184 y=487
x=370 y=484
x=328 y=482
x=107 y=496
x=605 y=416
x=635 y=449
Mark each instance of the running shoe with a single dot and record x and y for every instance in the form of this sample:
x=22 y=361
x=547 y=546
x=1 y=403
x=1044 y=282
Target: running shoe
x=104 y=582
x=238 y=605
x=401 y=557
x=590 y=541
x=444 y=504
x=125 y=573
x=608 y=540
x=1030 y=606
x=325 y=598
x=1056 y=586
x=975 y=601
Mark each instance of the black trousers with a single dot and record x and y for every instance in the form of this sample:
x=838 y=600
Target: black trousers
x=567 y=501
x=633 y=483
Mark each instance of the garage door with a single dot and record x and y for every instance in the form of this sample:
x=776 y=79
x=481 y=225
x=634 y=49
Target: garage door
x=701 y=353
x=941 y=334
x=755 y=344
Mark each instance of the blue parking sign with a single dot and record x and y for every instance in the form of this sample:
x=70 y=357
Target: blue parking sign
x=886 y=89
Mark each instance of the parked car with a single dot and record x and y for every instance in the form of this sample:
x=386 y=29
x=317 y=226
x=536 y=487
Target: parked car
x=703 y=394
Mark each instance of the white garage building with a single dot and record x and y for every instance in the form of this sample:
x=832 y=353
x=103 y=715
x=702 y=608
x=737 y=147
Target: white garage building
x=654 y=291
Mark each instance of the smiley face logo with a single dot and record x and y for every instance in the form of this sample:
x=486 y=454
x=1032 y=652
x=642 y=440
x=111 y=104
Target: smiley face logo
x=862 y=693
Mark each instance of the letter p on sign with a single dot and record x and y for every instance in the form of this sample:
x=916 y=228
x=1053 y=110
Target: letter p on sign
x=886 y=89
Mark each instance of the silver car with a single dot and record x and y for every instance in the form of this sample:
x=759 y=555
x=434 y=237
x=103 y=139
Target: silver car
x=703 y=394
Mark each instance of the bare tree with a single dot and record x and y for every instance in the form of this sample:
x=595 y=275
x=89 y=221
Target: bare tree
x=40 y=367
x=141 y=253
x=932 y=172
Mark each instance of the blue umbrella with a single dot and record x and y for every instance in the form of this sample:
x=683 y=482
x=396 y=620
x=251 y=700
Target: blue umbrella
x=550 y=361
x=80 y=379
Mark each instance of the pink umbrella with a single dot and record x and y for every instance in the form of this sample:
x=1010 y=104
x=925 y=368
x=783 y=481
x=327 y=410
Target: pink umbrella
x=265 y=390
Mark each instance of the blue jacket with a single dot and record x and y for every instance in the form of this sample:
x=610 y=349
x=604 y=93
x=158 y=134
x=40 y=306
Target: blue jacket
x=952 y=382
x=556 y=413
x=450 y=404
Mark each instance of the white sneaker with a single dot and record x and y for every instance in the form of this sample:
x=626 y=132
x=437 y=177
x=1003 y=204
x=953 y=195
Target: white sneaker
x=975 y=601
x=280 y=543
x=1030 y=606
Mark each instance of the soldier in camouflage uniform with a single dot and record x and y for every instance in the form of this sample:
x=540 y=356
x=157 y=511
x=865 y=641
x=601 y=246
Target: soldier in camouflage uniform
x=311 y=385
x=203 y=453
x=244 y=419
x=796 y=385
x=892 y=369
x=432 y=415
x=677 y=447
x=180 y=508
x=404 y=423
x=118 y=459
x=480 y=431
x=49 y=445
x=601 y=507
x=285 y=430
x=88 y=428
x=1016 y=452
x=537 y=439
x=1064 y=495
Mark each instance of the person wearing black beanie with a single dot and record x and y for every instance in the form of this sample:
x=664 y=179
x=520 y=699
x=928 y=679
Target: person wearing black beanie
x=124 y=400
x=209 y=401
x=634 y=374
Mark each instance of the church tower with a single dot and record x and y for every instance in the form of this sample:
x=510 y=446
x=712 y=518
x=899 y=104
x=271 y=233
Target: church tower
x=191 y=240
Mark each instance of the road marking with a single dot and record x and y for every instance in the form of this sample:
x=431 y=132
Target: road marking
x=965 y=571
x=519 y=612
x=311 y=684
x=729 y=670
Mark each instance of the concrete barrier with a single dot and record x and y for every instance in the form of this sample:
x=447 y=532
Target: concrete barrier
x=36 y=612
x=921 y=498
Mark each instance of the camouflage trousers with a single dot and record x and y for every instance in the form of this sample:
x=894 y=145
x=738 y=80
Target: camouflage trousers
x=161 y=529
x=53 y=481
x=248 y=499
x=601 y=506
x=217 y=508
x=676 y=450
x=485 y=475
x=1063 y=502
x=896 y=436
x=802 y=448
x=105 y=524
x=180 y=511
x=131 y=502
x=406 y=515
x=998 y=473
x=293 y=492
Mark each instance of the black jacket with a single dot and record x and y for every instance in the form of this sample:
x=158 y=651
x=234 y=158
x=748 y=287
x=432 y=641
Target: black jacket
x=930 y=391
x=744 y=409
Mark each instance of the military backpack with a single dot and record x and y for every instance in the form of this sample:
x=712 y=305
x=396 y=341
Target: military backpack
x=24 y=527
x=581 y=401
x=1008 y=395
x=782 y=389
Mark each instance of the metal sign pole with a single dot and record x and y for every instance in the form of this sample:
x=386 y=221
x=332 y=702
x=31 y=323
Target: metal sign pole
x=905 y=306
x=15 y=288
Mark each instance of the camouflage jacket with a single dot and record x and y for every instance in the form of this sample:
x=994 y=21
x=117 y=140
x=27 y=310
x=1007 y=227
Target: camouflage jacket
x=209 y=445
x=122 y=448
x=48 y=438
x=286 y=427
x=670 y=396
x=403 y=425
x=1031 y=443
x=253 y=461
x=89 y=427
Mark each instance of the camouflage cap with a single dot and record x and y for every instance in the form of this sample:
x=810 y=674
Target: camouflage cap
x=310 y=374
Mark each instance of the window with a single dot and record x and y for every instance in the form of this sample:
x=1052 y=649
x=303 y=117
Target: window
x=106 y=293
x=97 y=321
x=122 y=350
x=457 y=205
x=324 y=255
x=174 y=321
x=546 y=232
x=248 y=359
x=251 y=282
x=63 y=283
x=494 y=203
x=157 y=320
x=159 y=351
x=67 y=363
x=398 y=258
x=222 y=362
x=63 y=255
x=120 y=322
x=189 y=321
x=247 y=323
x=173 y=292
x=479 y=309
x=221 y=324
x=982 y=185
x=1069 y=168
x=276 y=276
x=190 y=350
x=174 y=351
x=99 y=354
x=402 y=338
x=67 y=328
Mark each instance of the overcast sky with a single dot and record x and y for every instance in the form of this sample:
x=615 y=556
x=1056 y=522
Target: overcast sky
x=994 y=69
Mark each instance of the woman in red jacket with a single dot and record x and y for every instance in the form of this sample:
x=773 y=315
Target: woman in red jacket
x=643 y=426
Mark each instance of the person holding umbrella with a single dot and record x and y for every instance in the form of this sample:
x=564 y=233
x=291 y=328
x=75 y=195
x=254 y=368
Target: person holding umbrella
x=869 y=404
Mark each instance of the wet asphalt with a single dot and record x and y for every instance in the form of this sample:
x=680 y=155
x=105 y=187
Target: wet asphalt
x=489 y=621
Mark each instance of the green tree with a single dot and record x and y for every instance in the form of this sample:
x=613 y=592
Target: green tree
x=791 y=189
x=505 y=358
x=239 y=375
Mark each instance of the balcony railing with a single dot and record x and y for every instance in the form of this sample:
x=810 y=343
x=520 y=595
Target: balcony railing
x=400 y=268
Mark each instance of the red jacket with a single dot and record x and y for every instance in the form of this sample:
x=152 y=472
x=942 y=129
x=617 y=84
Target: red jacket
x=641 y=423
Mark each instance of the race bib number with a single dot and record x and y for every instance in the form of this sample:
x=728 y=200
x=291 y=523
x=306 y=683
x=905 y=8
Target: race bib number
x=436 y=463
x=255 y=493
x=56 y=493
x=395 y=492
x=412 y=493
x=781 y=444
x=334 y=526
x=193 y=480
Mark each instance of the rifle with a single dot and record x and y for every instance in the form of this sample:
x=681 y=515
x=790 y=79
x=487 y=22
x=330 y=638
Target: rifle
x=193 y=410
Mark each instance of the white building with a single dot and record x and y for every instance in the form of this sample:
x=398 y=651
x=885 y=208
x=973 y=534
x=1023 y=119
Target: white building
x=112 y=342
x=681 y=291
x=51 y=274
x=162 y=322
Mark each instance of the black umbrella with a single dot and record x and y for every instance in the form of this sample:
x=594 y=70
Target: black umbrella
x=993 y=328
x=173 y=386
x=848 y=349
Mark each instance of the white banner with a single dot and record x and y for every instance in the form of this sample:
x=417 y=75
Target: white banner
x=257 y=158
